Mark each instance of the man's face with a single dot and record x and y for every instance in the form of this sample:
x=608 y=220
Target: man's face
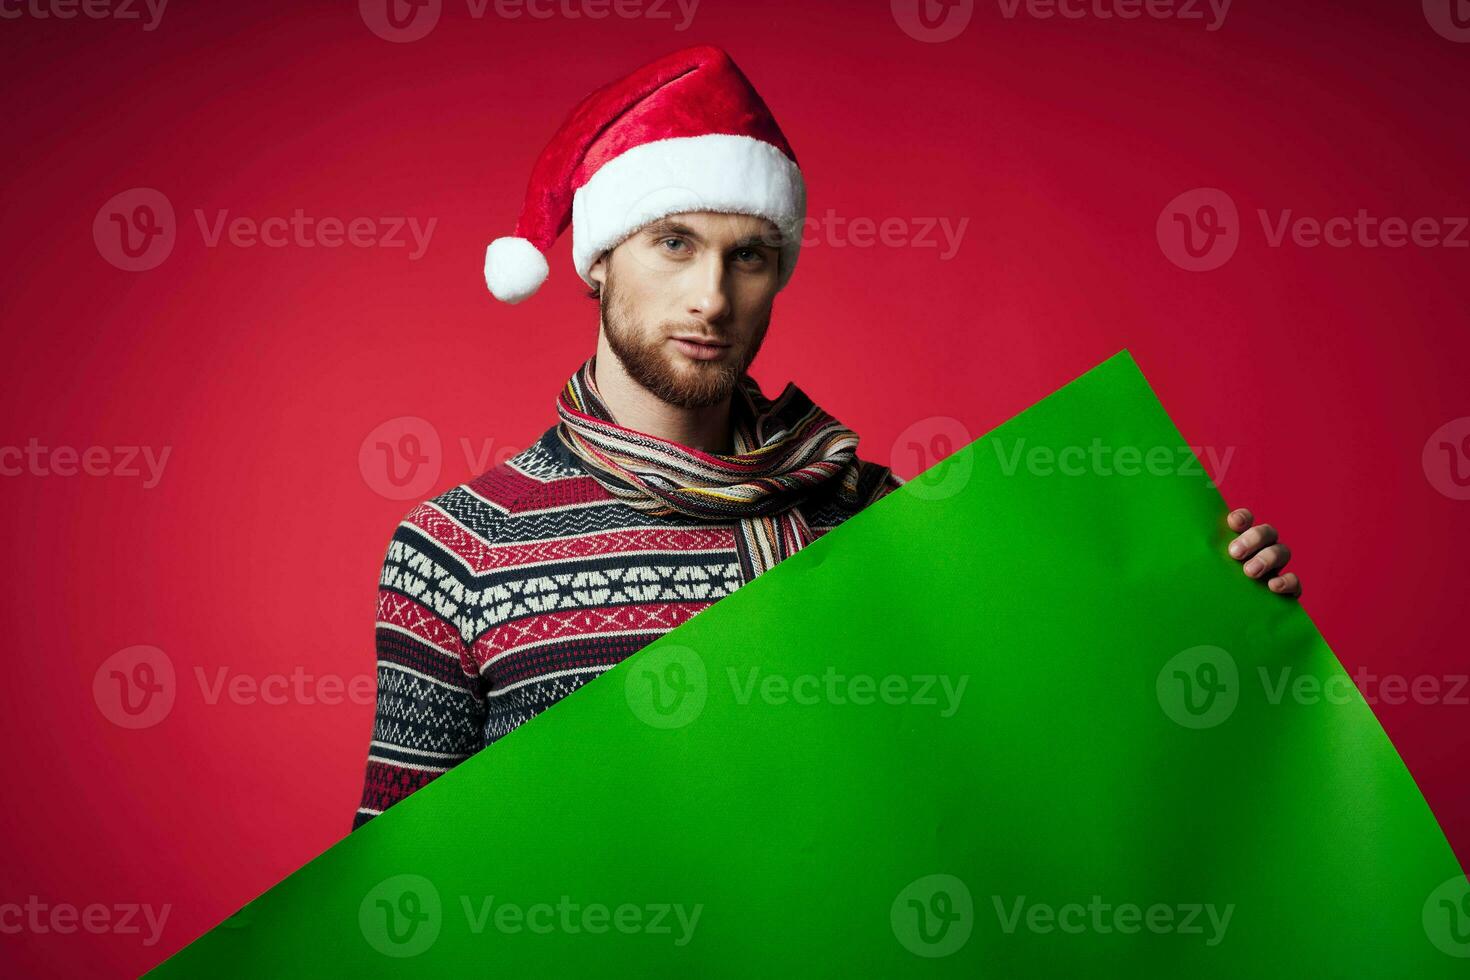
x=702 y=276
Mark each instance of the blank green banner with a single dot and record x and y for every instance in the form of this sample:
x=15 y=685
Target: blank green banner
x=1023 y=717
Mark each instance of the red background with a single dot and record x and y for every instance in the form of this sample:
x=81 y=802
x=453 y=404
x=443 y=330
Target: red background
x=265 y=369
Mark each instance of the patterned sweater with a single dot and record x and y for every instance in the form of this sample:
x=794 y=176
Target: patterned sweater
x=503 y=595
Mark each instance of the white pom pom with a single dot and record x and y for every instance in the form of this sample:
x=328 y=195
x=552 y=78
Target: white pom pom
x=514 y=269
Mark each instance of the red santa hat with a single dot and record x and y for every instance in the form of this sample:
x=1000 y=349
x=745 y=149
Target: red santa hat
x=684 y=133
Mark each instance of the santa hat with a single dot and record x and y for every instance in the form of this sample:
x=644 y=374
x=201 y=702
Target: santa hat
x=684 y=133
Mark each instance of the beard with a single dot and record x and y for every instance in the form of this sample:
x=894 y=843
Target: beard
x=654 y=364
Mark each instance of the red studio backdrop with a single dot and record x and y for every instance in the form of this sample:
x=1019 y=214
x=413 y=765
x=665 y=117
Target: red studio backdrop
x=246 y=329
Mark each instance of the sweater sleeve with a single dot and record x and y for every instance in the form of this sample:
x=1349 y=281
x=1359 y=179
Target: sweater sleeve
x=430 y=711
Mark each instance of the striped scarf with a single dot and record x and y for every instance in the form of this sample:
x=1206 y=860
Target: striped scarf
x=784 y=450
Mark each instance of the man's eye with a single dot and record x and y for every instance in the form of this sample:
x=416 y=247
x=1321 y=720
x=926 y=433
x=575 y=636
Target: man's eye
x=677 y=241
x=749 y=255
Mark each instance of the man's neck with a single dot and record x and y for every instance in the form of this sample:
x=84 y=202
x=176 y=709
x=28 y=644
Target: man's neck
x=635 y=407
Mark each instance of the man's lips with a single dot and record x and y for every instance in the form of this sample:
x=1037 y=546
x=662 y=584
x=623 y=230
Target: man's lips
x=700 y=348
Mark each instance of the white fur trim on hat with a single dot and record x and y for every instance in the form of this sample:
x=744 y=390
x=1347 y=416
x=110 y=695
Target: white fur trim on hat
x=718 y=172
x=514 y=269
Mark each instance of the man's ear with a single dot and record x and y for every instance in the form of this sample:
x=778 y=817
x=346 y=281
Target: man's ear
x=597 y=272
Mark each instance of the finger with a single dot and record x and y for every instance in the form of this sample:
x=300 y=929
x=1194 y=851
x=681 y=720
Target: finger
x=1268 y=559
x=1287 y=584
x=1252 y=541
x=1239 y=519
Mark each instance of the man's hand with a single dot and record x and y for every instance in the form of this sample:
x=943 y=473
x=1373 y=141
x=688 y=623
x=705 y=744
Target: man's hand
x=1264 y=556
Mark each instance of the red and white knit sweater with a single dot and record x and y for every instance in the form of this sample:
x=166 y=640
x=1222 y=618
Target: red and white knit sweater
x=503 y=595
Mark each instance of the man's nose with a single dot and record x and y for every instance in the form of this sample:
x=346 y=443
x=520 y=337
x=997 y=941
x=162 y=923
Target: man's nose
x=707 y=299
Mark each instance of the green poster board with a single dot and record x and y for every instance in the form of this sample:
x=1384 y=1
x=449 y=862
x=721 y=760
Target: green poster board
x=1021 y=718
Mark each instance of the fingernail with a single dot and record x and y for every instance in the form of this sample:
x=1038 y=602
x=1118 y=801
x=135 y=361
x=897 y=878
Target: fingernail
x=1253 y=567
x=1236 y=549
x=1277 y=584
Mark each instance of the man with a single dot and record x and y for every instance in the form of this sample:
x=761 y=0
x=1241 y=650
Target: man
x=670 y=479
